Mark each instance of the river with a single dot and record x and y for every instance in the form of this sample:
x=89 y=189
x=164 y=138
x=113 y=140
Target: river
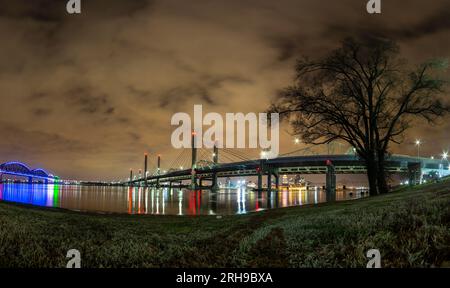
x=163 y=201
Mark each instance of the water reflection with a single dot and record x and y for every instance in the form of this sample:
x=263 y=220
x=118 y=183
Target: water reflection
x=164 y=201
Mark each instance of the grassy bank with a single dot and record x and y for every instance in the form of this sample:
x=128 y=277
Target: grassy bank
x=410 y=228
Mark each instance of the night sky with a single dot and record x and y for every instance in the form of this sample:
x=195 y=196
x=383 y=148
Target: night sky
x=85 y=95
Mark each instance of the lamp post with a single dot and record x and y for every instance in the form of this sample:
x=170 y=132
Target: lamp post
x=418 y=143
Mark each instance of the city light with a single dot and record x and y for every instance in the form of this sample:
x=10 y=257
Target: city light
x=296 y=141
x=444 y=155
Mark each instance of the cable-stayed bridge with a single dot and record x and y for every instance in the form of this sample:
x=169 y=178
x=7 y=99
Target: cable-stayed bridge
x=201 y=168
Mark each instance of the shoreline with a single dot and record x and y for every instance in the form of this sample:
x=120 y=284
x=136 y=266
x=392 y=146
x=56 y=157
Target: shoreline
x=407 y=222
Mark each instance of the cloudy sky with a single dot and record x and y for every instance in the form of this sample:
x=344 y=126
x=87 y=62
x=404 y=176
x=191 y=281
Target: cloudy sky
x=85 y=95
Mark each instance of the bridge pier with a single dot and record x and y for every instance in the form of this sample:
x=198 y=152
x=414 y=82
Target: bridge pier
x=30 y=180
x=414 y=170
x=260 y=174
x=277 y=180
x=330 y=182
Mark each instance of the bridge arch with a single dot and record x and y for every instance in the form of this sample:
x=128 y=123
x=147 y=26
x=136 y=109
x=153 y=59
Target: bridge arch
x=40 y=172
x=15 y=167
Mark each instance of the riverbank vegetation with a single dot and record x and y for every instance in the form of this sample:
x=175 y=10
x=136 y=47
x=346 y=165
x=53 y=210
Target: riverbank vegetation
x=410 y=227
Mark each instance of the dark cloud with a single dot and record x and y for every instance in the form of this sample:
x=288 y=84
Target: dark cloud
x=41 y=112
x=201 y=93
x=88 y=100
x=85 y=95
x=37 y=10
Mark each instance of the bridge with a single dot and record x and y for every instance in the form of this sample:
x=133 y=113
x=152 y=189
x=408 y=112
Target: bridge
x=201 y=171
x=19 y=169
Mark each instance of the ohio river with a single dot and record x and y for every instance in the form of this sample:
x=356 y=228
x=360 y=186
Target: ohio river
x=164 y=201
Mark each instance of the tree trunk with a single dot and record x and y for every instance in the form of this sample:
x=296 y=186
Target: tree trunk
x=372 y=176
x=381 y=177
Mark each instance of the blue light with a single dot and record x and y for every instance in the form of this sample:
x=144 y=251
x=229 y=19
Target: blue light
x=24 y=170
x=39 y=195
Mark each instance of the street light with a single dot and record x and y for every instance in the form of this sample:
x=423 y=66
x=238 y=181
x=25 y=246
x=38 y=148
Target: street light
x=441 y=166
x=296 y=141
x=418 y=143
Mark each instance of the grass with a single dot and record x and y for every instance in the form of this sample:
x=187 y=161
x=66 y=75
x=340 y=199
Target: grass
x=410 y=227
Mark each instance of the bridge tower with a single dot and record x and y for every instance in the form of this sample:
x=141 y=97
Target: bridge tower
x=194 y=161
x=330 y=182
x=158 y=171
x=131 y=176
x=215 y=184
x=140 y=177
x=145 y=168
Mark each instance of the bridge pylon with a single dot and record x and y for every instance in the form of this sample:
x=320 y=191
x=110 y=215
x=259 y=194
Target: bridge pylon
x=194 y=161
x=330 y=182
x=158 y=171
x=215 y=184
x=131 y=177
x=145 y=168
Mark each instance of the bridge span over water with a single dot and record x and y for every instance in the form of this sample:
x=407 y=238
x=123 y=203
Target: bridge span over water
x=18 y=169
x=330 y=165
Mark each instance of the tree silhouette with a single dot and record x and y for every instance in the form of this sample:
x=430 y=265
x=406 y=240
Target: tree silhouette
x=364 y=94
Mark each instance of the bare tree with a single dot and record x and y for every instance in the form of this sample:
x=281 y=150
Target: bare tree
x=363 y=94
